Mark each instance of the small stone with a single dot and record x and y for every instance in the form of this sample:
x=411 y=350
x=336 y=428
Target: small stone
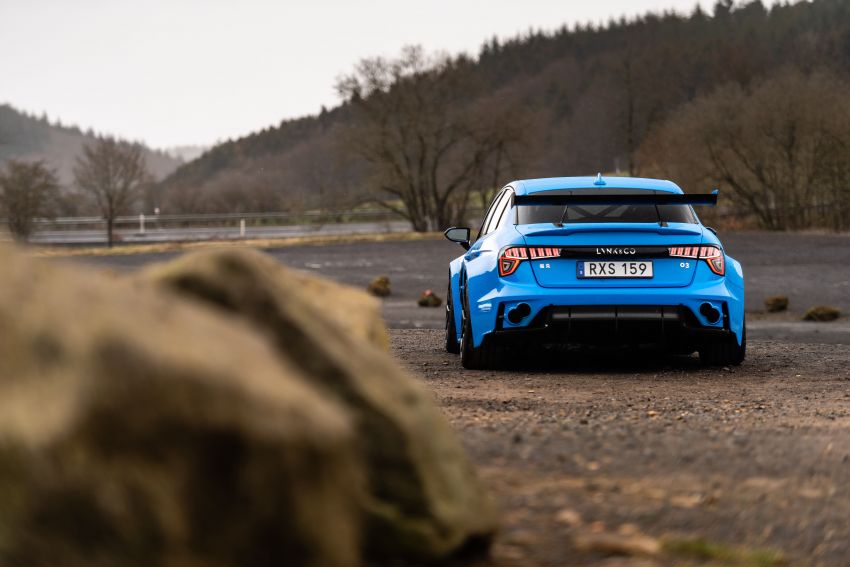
x=429 y=299
x=686 y=500
x=822 y=313
x=776 y=303
x=380 y=286
x=569 y=517
x=597 y=527
x=523 y=539
x=618 y=544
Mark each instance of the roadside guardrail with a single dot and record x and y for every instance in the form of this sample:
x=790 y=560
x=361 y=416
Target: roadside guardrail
x=178 y=227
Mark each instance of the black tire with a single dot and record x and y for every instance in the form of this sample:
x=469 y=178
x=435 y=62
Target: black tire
x=726 y=353
x=452 y=344
x=484 y=357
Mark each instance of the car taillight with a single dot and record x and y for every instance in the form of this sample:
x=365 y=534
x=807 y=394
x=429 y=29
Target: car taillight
x=712 y=255
x=510 y=259
x=513 y=255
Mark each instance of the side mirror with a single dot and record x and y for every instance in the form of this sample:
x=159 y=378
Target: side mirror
x=712 y=230
x=459 y=235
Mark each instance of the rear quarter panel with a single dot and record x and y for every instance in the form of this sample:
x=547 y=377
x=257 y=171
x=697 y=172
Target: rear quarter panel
x=455 y=269
x=480 y=279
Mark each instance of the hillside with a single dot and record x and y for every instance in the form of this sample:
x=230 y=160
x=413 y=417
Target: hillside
x=186 y=153
x=27 y=137
x=588 y=97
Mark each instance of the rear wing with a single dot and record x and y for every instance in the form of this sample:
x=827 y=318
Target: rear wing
x=543 y=198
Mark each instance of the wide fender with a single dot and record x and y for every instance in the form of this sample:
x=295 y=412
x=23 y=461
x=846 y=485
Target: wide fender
x=735 y=284
x=481 y=280
x=455 y=273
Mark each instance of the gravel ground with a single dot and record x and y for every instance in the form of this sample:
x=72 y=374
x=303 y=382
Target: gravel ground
x=661 y=461
x=591 y=455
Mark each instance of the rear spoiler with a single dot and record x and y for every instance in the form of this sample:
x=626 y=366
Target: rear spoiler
x=611 y=199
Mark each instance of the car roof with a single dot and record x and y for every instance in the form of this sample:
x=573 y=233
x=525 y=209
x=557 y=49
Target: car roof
x=530 y=186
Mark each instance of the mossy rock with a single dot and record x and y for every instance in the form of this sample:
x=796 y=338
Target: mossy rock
x=822 y=313
x=425 y=501
x=141 y=429
x=429 y=299
x=380 y=286
x=776 y=304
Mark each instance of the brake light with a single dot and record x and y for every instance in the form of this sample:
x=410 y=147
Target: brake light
x=712 y=255
x=511 y=257
x=714 y=258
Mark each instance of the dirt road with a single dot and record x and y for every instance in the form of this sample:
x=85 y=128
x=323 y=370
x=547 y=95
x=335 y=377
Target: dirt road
x=745 y=465
x=741 y=466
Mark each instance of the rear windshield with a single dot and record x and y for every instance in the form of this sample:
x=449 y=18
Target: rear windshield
x=531 y=214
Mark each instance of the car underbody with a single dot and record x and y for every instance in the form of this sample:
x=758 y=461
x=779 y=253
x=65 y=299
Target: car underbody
x=673 y=328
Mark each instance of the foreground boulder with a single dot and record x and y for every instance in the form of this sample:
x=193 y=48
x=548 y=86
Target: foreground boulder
x=357 y=313
x=138 y=429
x=425 y=501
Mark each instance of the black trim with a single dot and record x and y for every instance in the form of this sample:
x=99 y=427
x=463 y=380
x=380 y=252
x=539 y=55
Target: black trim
x=591 y=252
x=669 y=325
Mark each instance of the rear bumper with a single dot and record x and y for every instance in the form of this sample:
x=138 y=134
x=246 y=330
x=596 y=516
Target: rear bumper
x=568 y=315
x=672 y=326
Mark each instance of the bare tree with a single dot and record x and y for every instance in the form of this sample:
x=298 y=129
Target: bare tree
x=413 y=125
x=113 y=174
x=28 y=190
x=503 y=130
x=780 y=147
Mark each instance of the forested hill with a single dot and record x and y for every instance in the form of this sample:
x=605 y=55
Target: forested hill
x=27 y=137
x=585 y=98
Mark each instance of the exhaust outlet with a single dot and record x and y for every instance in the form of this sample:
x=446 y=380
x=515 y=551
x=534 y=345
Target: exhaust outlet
x=710 y=312
x=518 y=313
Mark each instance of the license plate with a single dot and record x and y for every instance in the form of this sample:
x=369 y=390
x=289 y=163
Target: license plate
x=614 y=269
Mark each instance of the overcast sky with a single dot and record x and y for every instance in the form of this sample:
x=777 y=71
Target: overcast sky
x=171 y=72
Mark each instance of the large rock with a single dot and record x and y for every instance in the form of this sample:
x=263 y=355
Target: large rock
x=357 y=312
x=425 y=499
x=138 y=429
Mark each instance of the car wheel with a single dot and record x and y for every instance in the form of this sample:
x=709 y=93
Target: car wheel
x=452 y=344
x=726 y=353
x=483 y=357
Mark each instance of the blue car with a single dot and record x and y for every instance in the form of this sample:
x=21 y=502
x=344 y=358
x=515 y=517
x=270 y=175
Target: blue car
x=581 y=261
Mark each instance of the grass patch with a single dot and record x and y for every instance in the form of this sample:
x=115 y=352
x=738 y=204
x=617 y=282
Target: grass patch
x=712 y=552
x=160 y=248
